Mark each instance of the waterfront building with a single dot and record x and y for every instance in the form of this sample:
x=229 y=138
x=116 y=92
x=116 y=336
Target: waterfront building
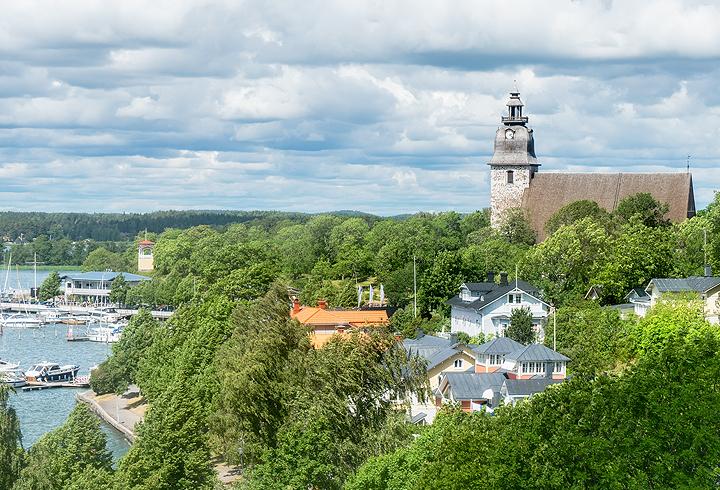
x=95 y=286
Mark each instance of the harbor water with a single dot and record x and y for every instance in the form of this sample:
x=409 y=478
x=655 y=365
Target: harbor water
x=44 y=410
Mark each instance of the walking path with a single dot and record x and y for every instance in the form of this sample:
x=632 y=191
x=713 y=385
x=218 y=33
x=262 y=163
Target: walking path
x=123 y=412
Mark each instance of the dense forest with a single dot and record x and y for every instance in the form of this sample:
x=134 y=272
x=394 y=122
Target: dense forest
x=231 y=369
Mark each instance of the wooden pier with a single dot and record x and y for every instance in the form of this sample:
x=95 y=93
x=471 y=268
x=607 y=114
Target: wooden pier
x=35 y=385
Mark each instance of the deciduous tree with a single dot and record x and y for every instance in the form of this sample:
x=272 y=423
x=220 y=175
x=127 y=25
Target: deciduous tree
x=50 y=287
x=521 y=326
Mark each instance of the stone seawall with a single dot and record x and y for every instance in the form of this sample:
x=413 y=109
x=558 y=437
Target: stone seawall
x=102 y=413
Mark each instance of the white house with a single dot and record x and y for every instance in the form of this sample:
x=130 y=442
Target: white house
x=95 y=286
x=485 y=307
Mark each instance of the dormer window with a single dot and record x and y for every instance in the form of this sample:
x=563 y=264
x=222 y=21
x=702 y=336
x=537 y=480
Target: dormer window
x=458 y=363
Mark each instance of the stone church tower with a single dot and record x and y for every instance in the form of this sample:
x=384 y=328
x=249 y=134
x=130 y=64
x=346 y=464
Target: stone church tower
x=513 y=163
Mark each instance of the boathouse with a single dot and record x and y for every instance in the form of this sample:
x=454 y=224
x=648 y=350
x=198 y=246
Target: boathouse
x=95 y=286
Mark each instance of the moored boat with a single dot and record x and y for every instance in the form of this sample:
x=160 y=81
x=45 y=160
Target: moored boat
x=8 y=366
x=16 y=379
x=20 y=320
x=105 y=334
x=48 y=372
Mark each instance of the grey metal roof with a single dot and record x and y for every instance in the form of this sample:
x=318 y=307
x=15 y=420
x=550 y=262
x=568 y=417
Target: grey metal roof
x=492 y=295
x=418 y=417
x=471 y=386
x=693 y=283
x=480 y=286
x=536 y=352
x=106 y=276
x=528 y=387
x=434 y=349
x=441 y=356
x=499 y=345
x=637 y=293
x=623 y=306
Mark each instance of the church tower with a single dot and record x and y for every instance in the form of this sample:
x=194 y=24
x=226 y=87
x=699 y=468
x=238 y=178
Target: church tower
x=513 y=163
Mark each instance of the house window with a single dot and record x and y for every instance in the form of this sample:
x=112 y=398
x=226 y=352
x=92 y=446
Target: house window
x=458 y=363
x=525 y=367
x=509 y=176
x=510 y=298
x=518 y=298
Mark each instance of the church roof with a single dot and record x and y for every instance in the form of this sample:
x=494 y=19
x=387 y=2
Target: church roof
x=548 y=192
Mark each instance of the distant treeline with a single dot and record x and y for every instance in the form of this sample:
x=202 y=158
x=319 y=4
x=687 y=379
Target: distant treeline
x=25 y=226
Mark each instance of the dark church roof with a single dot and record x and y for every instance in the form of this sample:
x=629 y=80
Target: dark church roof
x=548 y=192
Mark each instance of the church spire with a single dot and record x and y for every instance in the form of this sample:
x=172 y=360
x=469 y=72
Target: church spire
x=515 y=107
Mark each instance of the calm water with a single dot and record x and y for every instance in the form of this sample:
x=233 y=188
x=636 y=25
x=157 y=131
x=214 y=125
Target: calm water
x=44 y=410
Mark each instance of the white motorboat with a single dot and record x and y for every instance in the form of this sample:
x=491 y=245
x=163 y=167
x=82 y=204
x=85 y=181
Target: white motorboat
x=49 y=372
x=104 y=315
x=53 y=315
x=8 y=366
x=20 y=320
x=105 y=334
x=16 y=379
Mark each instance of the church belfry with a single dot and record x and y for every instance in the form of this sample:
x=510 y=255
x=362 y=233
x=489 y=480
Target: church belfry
x=513 y=163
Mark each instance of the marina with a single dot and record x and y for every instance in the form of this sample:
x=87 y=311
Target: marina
x=45 y=408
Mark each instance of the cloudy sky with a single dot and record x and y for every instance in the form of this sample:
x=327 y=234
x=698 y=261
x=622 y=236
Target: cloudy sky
x=382 y=106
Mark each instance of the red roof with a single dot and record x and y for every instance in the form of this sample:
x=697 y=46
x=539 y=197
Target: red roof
x=146 y=242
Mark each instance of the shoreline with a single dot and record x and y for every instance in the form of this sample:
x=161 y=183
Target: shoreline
x=129 y=409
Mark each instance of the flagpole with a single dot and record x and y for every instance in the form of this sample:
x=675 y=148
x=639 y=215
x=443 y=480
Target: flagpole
x=414 y=286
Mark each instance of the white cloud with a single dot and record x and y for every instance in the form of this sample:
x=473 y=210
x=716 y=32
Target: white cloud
x=317 y=105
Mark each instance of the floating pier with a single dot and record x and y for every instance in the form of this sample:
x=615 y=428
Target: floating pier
x=35 y=385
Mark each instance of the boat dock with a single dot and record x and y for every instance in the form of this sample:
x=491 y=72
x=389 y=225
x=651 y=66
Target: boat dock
x=34 y=308
x=34 y=386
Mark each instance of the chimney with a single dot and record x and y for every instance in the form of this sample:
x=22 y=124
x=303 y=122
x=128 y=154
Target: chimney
x=419 y=333
x=549 y=368
x=296 y=307
x=503 y=279
x=490 y=276
x=708 y=270
x=453 y=338
x=321 y=304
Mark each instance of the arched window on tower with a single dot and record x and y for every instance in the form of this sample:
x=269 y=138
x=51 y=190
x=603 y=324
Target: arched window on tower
x=509 y=176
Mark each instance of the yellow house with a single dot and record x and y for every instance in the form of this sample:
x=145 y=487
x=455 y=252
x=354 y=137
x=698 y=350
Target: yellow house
x=707 y=287
x=332 y=322
x=442 y=355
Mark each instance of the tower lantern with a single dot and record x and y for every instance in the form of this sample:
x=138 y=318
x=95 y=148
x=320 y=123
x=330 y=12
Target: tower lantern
x=145 y=256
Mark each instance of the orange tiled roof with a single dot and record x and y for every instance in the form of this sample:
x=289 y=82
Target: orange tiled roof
x=357 y=318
